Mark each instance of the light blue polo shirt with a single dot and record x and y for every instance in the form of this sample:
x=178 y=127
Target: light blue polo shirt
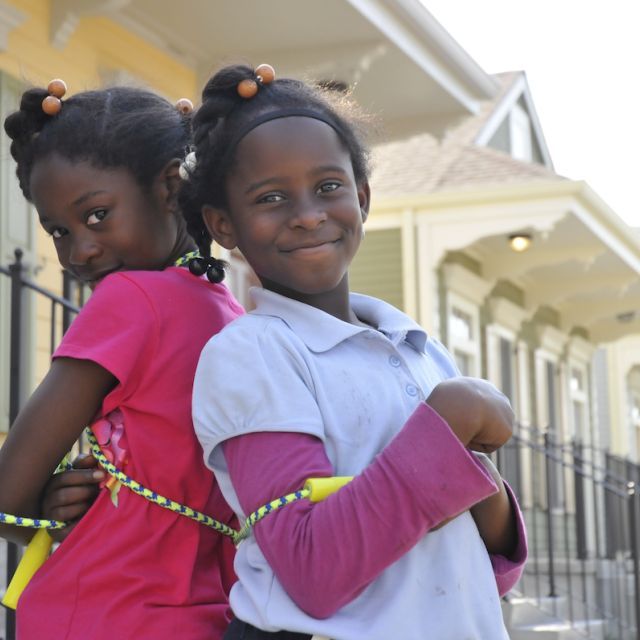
x=287 y=366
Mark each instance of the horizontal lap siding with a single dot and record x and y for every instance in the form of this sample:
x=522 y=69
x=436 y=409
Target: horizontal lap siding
x=377 y=268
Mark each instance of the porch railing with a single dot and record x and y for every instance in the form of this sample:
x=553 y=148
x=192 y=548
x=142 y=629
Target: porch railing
x=582 y=510
x=61 y=312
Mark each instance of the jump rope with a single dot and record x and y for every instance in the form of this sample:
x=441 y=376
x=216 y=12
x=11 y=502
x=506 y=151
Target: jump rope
x=39 y=548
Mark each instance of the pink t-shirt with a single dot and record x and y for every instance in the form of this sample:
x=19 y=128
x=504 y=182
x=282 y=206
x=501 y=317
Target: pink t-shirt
x=136 y=570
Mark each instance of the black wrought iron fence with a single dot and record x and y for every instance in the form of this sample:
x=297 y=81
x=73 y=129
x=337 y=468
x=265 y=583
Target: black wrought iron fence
x=582 y=510
x=61 y=311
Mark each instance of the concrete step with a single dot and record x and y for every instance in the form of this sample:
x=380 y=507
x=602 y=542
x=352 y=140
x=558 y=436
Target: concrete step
x=547 y=619
x=579 y=630
x=525 y=611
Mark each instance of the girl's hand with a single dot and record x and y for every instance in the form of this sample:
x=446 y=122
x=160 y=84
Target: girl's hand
x=68 y=495
x=477 y=412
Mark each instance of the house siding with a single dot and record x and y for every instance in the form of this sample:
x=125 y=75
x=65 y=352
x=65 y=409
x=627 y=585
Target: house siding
x=377 y=268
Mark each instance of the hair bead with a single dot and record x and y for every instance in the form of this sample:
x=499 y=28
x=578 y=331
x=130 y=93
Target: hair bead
x=247 y=88
x=265 y=73
x=184 y=106
x=57 y=88
x=51 y=105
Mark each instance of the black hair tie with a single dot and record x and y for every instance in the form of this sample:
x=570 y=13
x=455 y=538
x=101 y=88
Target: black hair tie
x=211 y=266
x=198 y=266
x=215 y=272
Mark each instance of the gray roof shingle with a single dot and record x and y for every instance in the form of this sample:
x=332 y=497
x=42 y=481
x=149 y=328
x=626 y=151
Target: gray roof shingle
x=422 y=164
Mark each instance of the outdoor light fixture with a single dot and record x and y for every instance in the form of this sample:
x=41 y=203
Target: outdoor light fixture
x=520 y=241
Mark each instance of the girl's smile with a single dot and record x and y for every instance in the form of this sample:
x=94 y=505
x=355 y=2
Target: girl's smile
x=295 y=210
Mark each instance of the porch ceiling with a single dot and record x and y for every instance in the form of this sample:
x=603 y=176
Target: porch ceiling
x=403 y=64
x=585 y=265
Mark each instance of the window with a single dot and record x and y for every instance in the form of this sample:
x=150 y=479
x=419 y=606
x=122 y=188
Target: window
x=633 y=390
x=520 y=132
x=506 y=368
x=464 y=362
x=461 y=325
x=579 y=399
x=463 y=333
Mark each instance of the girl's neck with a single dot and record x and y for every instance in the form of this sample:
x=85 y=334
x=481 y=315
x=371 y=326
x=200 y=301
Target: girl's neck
x=335 y=302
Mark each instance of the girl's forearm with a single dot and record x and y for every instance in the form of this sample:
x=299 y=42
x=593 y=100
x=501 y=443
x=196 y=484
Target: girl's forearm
x=508 y=569
x=496 y=522
x=495 y=516
x=44 y=431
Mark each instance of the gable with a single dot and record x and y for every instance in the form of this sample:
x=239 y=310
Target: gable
x=512 y=125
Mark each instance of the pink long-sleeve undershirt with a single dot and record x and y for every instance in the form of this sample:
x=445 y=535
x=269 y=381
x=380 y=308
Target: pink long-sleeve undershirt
x=407 y=490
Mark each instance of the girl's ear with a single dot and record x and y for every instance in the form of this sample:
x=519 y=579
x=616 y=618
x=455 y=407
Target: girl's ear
x=219 y=226
x=168 y=182
x=364 y=198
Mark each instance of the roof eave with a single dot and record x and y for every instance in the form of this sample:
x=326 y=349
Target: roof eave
x=431 y=48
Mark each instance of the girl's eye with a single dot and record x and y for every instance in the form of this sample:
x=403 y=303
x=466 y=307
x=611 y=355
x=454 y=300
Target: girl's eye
x=270 y=198
x=328 y=187
x=58 y=233
x=96 y=216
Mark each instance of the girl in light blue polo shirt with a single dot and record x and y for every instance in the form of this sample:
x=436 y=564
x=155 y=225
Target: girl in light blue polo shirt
x=317 y=381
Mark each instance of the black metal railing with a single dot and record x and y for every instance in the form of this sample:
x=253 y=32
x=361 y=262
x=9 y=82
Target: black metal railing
x=61 y=312
x=582 y=510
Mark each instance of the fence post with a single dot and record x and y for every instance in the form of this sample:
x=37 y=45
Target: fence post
x=549 y=482
x=15 y=376
x=633 y=534
x=67 y=282
x=579 y=496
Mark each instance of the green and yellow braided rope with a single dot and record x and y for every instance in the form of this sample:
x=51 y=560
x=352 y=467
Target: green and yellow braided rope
x=38 y=523
x=152 y=496
x=315 y=489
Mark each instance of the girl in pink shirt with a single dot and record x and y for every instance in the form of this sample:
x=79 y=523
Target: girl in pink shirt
x=103 y=170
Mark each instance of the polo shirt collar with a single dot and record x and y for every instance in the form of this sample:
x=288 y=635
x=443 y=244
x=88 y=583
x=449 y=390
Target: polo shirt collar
x=321 y=331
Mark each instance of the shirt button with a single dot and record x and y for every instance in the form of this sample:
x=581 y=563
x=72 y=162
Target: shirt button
x=394 y=361
x=411 y=390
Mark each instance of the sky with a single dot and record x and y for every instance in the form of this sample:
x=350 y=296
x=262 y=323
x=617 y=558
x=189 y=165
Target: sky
x=582 y=60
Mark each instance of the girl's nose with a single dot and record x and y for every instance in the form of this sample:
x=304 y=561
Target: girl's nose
x=308 y=215
x=83 y=250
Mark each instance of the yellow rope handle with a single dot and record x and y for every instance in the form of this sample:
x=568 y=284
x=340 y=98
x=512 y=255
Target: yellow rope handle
x=34 y=557
x=321 y=488
x=314 y=489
